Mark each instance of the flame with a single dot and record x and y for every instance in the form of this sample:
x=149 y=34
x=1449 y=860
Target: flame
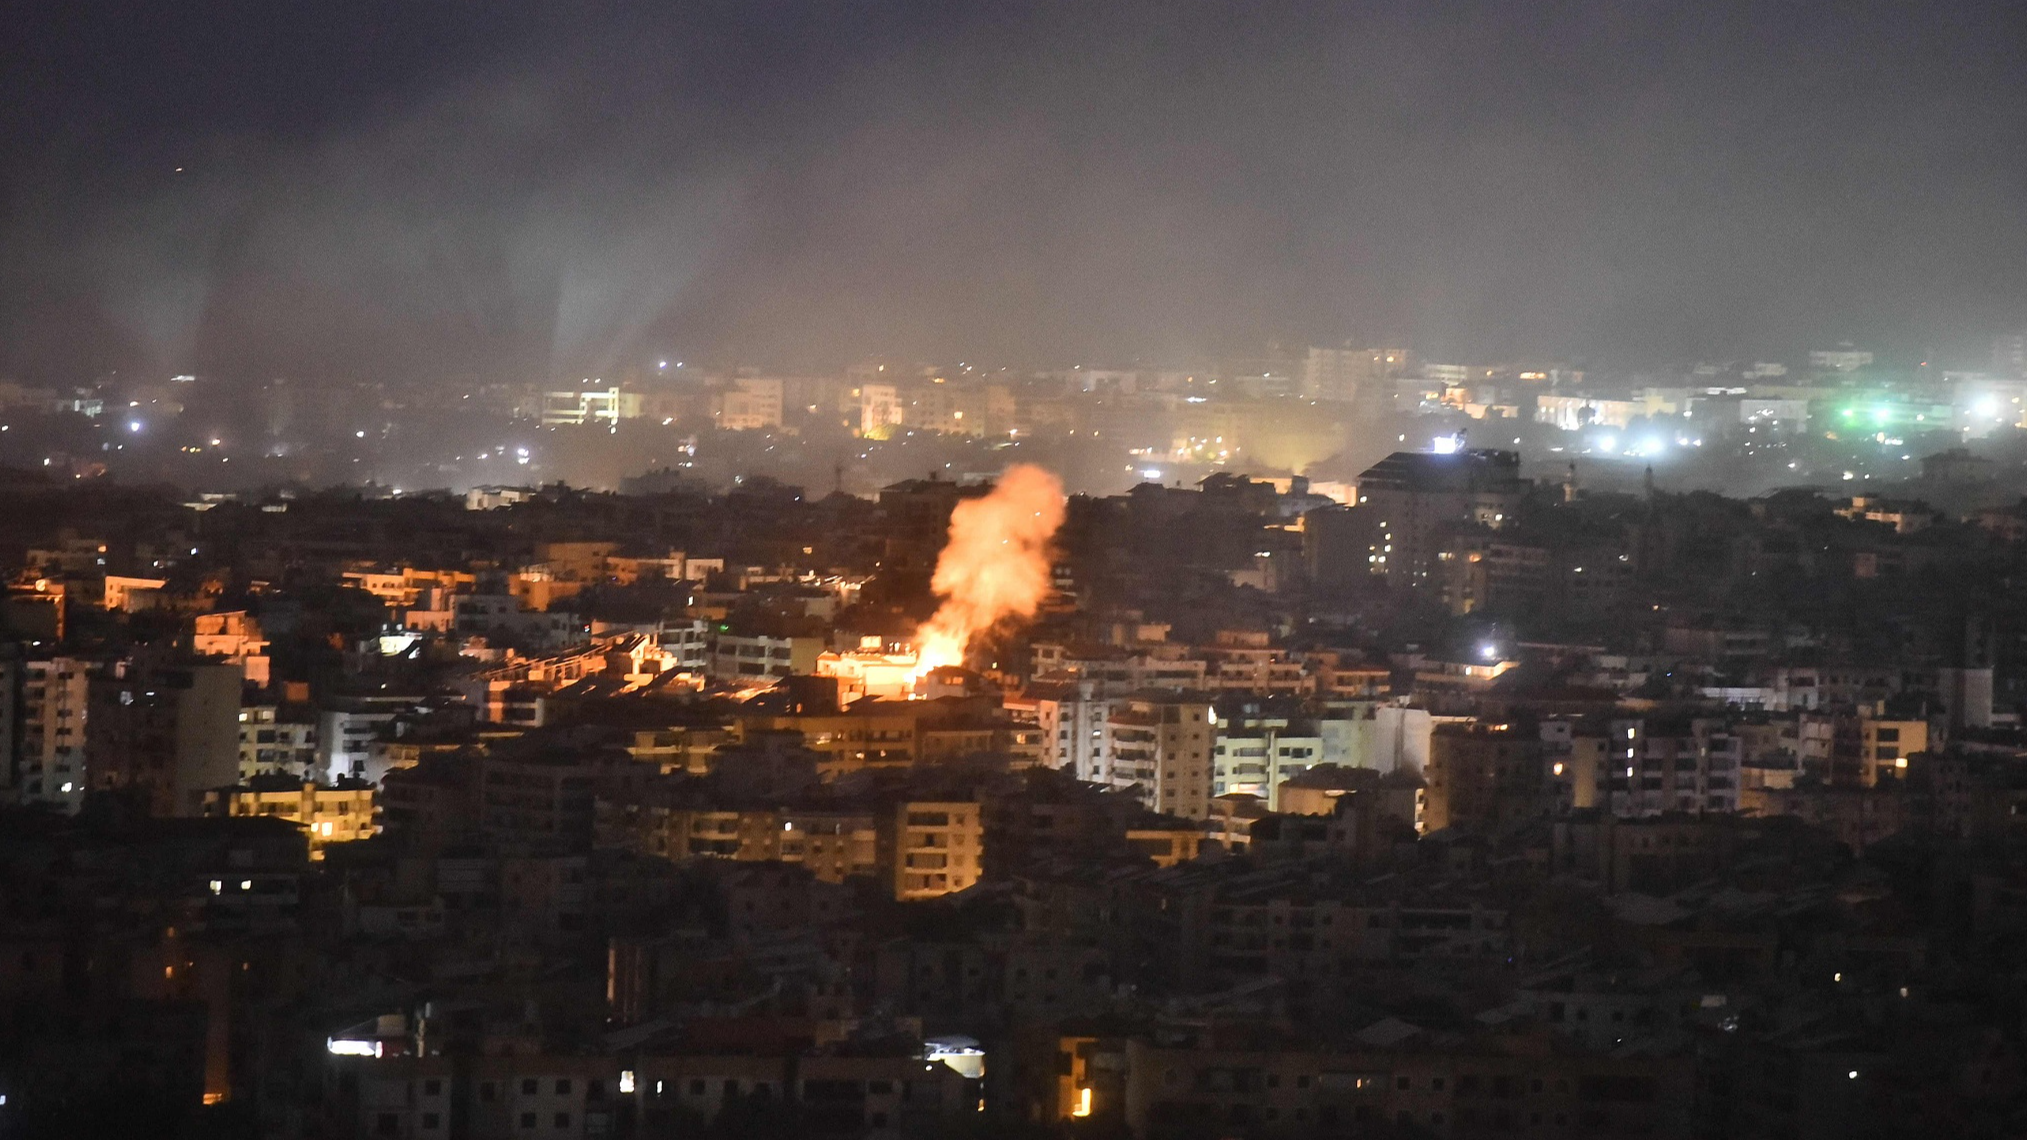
x=995 y=568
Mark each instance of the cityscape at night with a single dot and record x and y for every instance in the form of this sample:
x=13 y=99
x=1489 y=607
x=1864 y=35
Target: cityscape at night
x=1032 y=571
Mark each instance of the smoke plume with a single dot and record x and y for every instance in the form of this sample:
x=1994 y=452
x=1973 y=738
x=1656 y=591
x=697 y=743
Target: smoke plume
x=995 y=568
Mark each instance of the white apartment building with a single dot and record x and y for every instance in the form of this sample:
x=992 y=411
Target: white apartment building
x=344 y=742
x=49 y=724
x=1160 y=746
x=604 y=406
x=1071 y=718
x=1253 y=759
x=270 y=744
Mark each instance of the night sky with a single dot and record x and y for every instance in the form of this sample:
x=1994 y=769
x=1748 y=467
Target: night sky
x=523 y=191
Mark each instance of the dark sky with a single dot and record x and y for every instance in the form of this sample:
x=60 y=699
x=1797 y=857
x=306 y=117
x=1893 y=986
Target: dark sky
x=520 y=191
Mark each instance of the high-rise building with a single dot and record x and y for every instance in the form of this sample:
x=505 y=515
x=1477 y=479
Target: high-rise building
x=1406 y=505
x=167 y=732
x=43 y=713
x=1161 y=746
x=1071 y=718
x=1482 y=774
x=1346 y=373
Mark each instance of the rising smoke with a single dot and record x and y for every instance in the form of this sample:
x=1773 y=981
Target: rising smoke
x=995 y=568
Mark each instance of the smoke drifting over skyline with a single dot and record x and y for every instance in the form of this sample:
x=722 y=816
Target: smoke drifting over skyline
x=528 y=191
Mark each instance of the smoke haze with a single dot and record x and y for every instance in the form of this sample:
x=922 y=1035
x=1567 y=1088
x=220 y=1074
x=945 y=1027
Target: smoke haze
x=529 y=191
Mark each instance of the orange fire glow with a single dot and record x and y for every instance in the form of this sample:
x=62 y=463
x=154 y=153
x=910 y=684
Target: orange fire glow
x=995 y=567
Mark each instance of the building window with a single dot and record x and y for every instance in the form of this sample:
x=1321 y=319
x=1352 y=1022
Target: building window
x=432 y=1087
x=562 y=1120
x=530 y=1087
x=527 y=1120
x=387 y=1124
x=563 y=1087
x=430 y=1121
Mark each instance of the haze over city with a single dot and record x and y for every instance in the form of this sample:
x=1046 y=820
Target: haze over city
x=416 y=193
x=1016 y=571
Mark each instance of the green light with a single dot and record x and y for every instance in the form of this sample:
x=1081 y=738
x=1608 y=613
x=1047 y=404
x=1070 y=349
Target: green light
x=1881 y=415
x=1848 y=413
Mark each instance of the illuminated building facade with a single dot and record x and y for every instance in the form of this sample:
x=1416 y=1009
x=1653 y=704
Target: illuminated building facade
x=929 y=849
x=339 y=813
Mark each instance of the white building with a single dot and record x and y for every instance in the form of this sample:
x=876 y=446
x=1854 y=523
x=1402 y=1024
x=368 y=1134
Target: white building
x=345 y=742
x=1160 y=747
x=600 y=406
x=49 y=724
x=689 y=642
x=1072 y=720
x=268 y=743
x=752 y=404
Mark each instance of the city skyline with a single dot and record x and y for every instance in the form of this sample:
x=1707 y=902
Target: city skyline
x=1044 y=570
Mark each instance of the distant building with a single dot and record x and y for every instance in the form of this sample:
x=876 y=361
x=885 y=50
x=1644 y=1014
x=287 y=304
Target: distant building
x=272 y=740
x=1160 y=746
x=1481 y=774
x=329 y=814
x=2009 y=355
x=1348 y=373
x=493 y=498
x=1843 y=358
x=1574 y=413
x=929 y=849
x=44 y=717
x=1072 y=718
x=235 y=636
x=1409 y=503
x=751 y=404
x=167 y=732
x=880 y=409
x=602 y=407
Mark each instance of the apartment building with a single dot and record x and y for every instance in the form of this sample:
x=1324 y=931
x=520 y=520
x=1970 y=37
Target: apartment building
x=1160 y=746
x=928 y=849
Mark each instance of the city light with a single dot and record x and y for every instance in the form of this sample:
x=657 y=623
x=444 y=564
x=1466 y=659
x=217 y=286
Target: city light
x=781 y=747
